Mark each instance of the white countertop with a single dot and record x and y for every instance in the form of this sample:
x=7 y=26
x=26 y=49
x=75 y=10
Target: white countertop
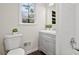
x=49 y=31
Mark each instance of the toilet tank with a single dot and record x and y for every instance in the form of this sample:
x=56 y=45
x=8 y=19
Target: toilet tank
x=12 y=41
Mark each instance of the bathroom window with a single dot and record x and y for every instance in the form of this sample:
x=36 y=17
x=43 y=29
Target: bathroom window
x=27 y=13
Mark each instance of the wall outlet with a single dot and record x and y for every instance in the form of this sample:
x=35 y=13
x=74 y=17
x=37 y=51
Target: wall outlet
x=27 y=43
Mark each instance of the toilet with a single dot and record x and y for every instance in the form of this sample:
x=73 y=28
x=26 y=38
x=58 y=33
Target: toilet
x=18 y=51
x=13 y=43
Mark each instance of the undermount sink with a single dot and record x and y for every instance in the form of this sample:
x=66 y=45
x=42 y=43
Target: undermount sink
x=49 y=31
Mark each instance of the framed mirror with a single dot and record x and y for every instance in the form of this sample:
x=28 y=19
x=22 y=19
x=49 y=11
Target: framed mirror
x=51 y=14
x=27 y=13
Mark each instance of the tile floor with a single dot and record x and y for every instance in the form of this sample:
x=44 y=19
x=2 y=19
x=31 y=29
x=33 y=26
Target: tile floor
x=37 y=53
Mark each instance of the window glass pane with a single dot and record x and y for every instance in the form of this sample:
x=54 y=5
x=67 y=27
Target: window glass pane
x=27 y=12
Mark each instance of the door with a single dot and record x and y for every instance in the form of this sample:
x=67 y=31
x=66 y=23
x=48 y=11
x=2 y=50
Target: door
x=65 y=28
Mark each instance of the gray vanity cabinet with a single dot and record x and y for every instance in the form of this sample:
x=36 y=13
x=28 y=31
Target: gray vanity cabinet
x=47 y=43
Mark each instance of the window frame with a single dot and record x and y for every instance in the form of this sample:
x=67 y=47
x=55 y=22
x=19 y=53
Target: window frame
x=20 y=16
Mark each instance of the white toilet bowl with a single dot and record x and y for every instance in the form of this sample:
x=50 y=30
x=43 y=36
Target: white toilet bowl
x=13 y=41
x=18 y=51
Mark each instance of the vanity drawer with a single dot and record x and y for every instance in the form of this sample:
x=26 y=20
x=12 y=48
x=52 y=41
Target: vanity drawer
x=48 y=35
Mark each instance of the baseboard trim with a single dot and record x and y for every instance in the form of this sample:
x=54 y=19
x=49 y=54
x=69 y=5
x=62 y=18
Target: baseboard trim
x=30 y=51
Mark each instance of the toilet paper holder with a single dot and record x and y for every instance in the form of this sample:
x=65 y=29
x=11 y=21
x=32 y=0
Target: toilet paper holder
x=73 y=44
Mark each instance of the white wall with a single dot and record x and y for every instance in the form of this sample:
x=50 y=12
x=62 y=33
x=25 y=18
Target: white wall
x=30 y=33
x=1 y=34
x=65 y=28
x=77 y=24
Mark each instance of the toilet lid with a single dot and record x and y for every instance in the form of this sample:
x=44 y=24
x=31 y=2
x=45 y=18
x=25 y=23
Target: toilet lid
x=18 y=51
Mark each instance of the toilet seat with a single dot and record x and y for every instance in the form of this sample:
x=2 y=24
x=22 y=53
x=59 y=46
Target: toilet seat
x=18 y=51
